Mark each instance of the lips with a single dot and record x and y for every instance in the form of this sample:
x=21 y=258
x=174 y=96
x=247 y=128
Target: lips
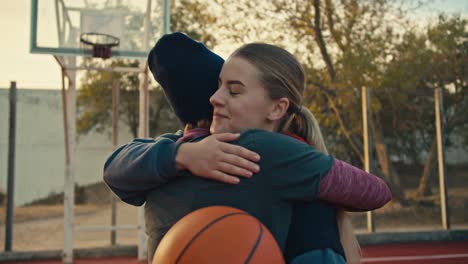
x=218 y=115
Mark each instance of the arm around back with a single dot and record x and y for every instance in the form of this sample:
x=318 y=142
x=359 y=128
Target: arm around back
x=354 y=189
x=139 y=166
x=300 y=172
x=294 y=169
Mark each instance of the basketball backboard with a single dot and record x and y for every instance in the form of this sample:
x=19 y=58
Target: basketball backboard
x=56 y=25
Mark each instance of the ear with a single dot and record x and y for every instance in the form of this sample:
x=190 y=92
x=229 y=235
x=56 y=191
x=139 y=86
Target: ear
x=279 y=109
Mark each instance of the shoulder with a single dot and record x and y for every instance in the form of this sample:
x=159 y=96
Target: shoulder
x=266 y=135
x=280 y=149
x=173 y=136
x=260 y=139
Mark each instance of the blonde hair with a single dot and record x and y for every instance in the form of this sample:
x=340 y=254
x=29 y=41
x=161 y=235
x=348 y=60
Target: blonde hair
x=279 y=73
x=347 y=237
x=283 y=76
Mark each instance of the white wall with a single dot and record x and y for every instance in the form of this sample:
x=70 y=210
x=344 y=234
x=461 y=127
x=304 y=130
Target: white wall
x=40 y=146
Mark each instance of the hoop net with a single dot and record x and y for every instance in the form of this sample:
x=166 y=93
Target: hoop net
x=101 y=43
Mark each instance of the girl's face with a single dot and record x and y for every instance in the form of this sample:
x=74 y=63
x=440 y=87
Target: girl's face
x=241 y=102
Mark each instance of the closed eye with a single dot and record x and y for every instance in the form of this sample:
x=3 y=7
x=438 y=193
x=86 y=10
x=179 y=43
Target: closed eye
x=235 y=87
x=231 y=92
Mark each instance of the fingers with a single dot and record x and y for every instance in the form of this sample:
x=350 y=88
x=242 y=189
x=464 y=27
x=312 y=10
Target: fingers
x=240 y=152
x=222 y=161
x=233 y=149
x=238 y=166
x=236 y=170
x=223 y=177
x=226 y=137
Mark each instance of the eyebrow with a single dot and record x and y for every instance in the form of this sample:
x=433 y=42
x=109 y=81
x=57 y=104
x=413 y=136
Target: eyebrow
x=235 y=82
x=230 y=82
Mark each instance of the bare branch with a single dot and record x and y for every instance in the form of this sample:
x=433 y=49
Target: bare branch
x=321 y=42
x=353 y=140
x=329 y=8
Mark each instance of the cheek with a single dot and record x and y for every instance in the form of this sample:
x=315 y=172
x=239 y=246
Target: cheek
x=242 y=110
x=251 y=115
x=248 y=111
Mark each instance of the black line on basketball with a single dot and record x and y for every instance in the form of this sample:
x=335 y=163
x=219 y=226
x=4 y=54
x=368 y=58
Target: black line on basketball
x=203 y=230
x=259 y=238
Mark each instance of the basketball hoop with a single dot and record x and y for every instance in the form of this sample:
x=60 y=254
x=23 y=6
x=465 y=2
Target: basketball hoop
x=101 y=43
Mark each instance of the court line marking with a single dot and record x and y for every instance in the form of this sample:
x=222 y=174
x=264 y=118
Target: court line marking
x=422 y=257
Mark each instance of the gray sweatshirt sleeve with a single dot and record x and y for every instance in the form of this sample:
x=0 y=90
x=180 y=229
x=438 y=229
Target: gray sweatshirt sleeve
x=139 y=166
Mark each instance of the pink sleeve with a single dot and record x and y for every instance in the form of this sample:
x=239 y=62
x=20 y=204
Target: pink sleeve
x=353 y=189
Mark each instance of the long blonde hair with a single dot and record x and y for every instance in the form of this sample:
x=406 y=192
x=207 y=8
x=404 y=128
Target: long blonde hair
x=283 y=76
x=347 y=237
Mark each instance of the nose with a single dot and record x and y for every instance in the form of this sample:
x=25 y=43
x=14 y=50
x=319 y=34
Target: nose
x=217 y=99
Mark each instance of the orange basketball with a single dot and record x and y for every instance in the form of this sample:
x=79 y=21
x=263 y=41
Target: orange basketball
x=218 y=234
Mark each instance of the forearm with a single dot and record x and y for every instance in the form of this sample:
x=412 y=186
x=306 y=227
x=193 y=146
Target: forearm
x=141 y=165
x=136 y=198
x=353 y=189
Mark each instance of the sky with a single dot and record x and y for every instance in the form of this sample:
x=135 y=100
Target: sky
x=41 y=71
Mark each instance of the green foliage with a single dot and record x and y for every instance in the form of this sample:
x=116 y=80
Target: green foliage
x=95 y=100
x=191 y=17
x=370 y=44
x=95 y=103
x=357 y=39
x=421 y=62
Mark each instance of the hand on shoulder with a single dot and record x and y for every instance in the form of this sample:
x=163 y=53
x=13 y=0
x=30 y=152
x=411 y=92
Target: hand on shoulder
x=214 y=158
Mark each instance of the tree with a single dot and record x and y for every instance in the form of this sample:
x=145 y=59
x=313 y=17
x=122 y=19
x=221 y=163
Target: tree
x=421 y=62
x=193 y=17
x=352 y=39
x=449 y=60
x=95 y=103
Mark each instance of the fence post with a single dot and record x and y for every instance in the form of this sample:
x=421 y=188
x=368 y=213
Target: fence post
x=11 y=169
x=440 y=124
x=115 y=142
x=366 y=139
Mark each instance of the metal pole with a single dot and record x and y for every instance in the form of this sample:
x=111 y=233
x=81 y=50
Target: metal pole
x=167 y=16
x=67 y=248
x=33 y=25
x=65 y=119
x=107 y=69
x=440 y=124
x=143 y=107
x=57 y=18
x=115 y=137
x=366 y=138
x=143 y=129
x=69 y=183
x=143 y=133
x=11 y=169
